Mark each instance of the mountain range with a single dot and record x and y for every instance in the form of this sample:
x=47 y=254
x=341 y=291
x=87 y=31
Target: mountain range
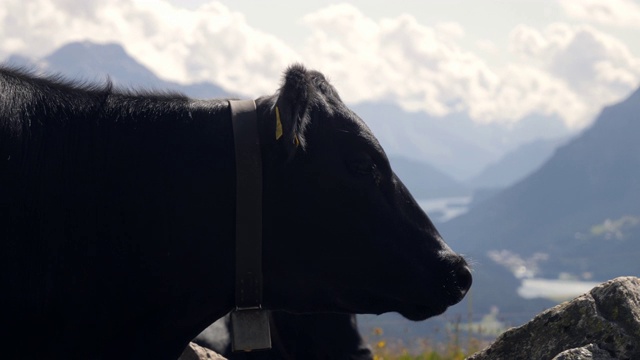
x=516 y=165
x=577 y=216
x=87 y=61
x=425 y=181
x=454 y=147
x=455 y=144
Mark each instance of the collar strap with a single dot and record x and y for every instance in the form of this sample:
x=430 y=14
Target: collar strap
x=248 y=204
x=248 y=314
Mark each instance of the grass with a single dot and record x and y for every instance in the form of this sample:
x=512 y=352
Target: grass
x=461 y=341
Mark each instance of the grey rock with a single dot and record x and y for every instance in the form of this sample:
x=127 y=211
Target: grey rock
x=608 y=317
x=197 y=352
x=589 y=352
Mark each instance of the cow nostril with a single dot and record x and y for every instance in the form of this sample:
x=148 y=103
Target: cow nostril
x=464 y=278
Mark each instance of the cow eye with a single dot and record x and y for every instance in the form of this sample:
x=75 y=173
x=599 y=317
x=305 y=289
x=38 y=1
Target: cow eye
x=362 y=166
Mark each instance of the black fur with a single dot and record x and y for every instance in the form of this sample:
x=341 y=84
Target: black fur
x=117 y=218
x=294 y=99
x=296 y=336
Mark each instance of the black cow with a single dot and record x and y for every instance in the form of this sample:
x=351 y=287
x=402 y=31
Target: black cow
x=117 y=218
x=296 y=336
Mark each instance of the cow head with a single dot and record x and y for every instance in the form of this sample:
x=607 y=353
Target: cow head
x=341 y=232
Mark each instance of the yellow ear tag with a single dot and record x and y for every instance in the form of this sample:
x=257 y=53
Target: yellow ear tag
x=278 y=124
x=279 y=128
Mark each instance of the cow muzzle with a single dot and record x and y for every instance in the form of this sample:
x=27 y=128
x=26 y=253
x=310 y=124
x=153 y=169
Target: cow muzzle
x=459 y=279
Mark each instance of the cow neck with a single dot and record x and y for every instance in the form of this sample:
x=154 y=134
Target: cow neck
x=250 y=324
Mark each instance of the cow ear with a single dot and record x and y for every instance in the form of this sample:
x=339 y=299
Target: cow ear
x=292 y=109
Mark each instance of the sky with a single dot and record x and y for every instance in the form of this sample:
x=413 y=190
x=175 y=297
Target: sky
x=496 y=60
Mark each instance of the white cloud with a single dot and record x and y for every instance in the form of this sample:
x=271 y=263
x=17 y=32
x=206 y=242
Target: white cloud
x=523 y=90
x=487 y=46
x=396 y=59
x=597 y=68
x=211 y=42
x=624 y=13
x=562 y=70
x=451 y=30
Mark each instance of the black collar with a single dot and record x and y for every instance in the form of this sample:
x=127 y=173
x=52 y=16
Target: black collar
x=249 y=323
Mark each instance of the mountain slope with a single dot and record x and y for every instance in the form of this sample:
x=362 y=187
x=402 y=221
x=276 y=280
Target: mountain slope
x=581 y=209
x=425 y=181
x=515 y=165
x=454 y=143
x=423 y=138
x=95 y=62
x=594 y=177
